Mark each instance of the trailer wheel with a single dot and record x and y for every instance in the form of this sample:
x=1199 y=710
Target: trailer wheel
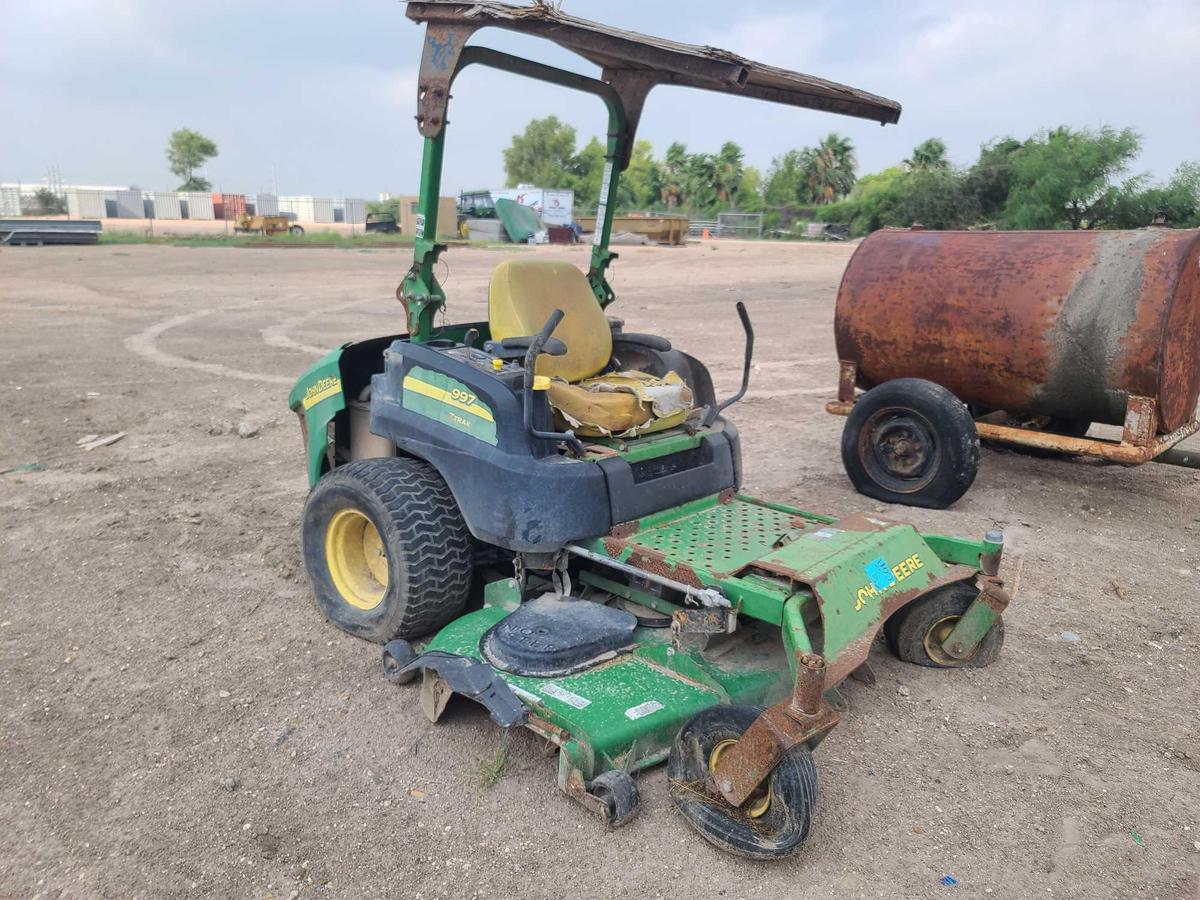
x=387 y=551
x=910 y=441
x=296 y=230
x=916 y=632
x=773 y=822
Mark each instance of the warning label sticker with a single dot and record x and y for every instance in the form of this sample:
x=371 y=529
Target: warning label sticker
x=643 y=709
x=568 y=697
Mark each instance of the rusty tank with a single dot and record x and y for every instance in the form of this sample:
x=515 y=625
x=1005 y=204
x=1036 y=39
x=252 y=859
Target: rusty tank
x=1066 y=324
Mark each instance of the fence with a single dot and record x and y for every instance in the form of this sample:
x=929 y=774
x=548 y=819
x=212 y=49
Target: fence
x=747 y=226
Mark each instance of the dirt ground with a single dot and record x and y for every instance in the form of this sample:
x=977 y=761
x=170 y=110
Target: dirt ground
x=179 y=720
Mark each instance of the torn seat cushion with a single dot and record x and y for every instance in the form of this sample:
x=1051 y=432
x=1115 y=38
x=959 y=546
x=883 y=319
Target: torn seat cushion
x=621 y=404
x=521 y=296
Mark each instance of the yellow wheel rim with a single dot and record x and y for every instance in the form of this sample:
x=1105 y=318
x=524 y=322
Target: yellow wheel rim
x=356 y=559
x=935 y=638
x=757 y=803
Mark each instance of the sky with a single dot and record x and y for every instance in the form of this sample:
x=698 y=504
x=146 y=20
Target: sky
x=318 y=98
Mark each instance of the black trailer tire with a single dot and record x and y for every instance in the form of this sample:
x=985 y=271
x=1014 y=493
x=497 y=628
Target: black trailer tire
x=387 y=551
x=915 y=632
x=911 y=441
x=618 y=791
x=774 y=822
x=296 y=230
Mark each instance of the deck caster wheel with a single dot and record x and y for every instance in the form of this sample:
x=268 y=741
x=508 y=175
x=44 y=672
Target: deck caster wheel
x=396 y=655
x=774 y=821
x=916 y=632
x=910 y=441
x=620 y=795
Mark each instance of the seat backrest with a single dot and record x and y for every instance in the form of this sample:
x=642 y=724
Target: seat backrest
x=522 y=295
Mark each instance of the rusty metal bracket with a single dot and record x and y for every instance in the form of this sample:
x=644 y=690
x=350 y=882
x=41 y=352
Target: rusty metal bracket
x=847 y=377
x=444 y=44
x=978 y=618
x=707 y=620
x=1138 y=442
x=803 y=719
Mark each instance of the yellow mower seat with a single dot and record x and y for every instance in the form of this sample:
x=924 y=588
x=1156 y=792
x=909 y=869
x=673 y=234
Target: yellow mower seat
x=522 y=295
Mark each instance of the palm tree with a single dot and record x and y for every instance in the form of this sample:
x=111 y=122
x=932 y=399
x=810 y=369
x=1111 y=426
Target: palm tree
x=671 y=174
x=929 y=154
x=729 y=168
x=829 y=168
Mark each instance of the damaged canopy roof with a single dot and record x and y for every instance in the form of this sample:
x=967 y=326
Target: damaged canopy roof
x=665 y=61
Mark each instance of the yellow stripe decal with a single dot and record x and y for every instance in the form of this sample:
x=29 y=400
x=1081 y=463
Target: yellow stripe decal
x=436 y=393
x=322 y=390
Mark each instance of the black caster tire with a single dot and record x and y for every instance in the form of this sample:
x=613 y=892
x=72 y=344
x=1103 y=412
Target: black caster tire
x=773 y=822
x=620 y=795
x=386 y=548
x=915 y=633
x=397 y=654
x=911 y=441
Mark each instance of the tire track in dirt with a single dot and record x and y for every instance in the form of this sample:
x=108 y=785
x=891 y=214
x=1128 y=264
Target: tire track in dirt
x=143 y=344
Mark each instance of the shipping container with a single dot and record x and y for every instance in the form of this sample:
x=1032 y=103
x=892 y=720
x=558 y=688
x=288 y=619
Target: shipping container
x=83 y=203
x=10 y=201
x=355 y=211
x=308 y=209
x=266 y=205
x=127 y=204
x=229 y=207
x=196 y=205
x=166 y=205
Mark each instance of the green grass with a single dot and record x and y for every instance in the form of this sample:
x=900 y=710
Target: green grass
x=495 y=767
x=320 y=239
x=313 y=239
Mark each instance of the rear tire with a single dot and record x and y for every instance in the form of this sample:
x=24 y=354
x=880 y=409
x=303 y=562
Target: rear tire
x=911 y=441
x=387 y=551
x=296 y=230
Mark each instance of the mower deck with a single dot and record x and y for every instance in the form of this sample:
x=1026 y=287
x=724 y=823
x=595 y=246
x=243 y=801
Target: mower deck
x=761 y=571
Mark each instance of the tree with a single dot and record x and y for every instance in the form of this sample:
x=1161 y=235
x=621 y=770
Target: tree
x=750 y=191
x=48 y=203
x=187 y=151
x=729 y=166
x=990 y=179
x=929 y=154
x=786 y=180
x=543 y=155
x=1064 y=178
x=638 y=188
x=829 y=168
x=671 y=174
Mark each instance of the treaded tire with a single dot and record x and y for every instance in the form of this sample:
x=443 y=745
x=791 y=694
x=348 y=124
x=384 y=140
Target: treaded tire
x=424 y=539
x=781 y=829
x=907 y=628
x=911 y=441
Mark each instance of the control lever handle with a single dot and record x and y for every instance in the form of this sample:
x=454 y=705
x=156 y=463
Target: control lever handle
x=536 y=348
x=714 y=411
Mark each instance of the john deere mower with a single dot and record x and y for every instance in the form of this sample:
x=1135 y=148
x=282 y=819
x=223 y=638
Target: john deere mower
x=541 y=512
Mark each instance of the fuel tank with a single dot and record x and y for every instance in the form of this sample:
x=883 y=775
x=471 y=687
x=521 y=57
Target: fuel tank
x=1058 y=323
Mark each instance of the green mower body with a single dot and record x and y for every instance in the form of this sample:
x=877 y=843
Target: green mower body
x=606 y=586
